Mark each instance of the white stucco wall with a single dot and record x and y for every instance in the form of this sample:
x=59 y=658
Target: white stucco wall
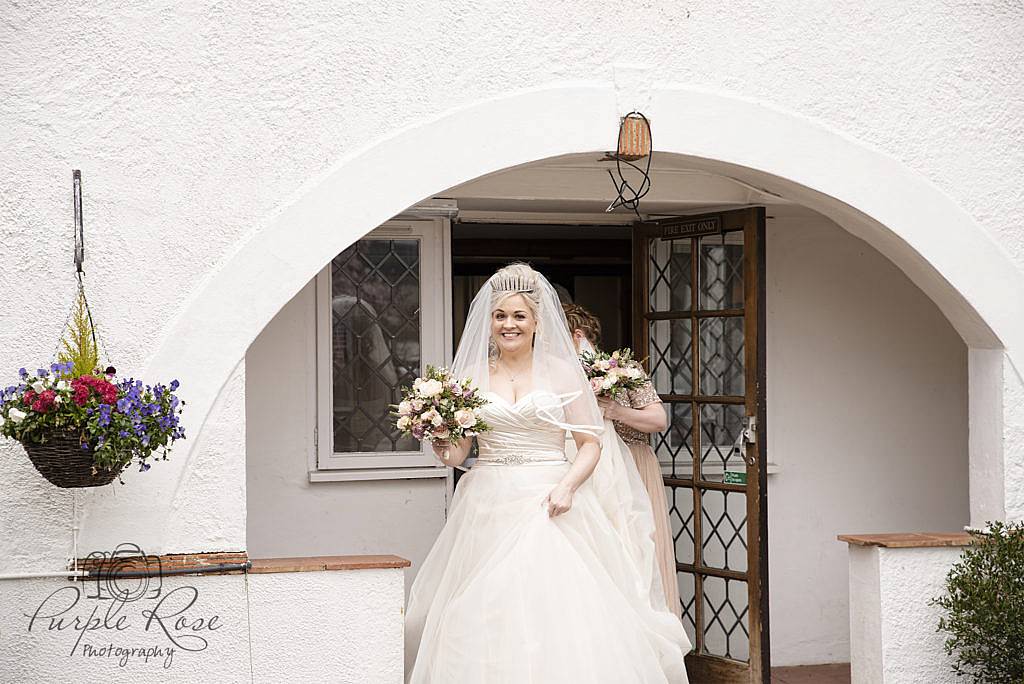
x=340 y=626
x=867 y=417
x=895 y=627
x=197 y=128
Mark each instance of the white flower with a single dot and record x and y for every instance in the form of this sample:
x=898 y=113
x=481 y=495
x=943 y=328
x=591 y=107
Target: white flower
x=432 y=417
x=634 y=372
x=404 y=422
x=405 y=408
x=603 y=365
x=429 y=388
x=2 y=421
x=56 y=399
x=62 y=384
x=607 y=383
x=38 y=386
x=465 y=418
x=417 y=404
x=16 y=415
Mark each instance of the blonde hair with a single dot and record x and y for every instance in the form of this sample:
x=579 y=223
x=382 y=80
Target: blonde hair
x=579 y=318
x=516 y=279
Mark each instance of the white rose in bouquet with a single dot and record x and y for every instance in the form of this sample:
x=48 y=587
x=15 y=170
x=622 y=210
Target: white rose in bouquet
x=430 y=388
x=404 y=422
x=466 y=418
x=405 y=408
x=432 y=417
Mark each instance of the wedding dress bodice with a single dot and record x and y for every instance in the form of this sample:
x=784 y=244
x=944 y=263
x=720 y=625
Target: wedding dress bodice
x=518 y=435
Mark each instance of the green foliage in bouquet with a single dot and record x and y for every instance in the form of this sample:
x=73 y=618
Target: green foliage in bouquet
x=79 y=345
x=984 y=606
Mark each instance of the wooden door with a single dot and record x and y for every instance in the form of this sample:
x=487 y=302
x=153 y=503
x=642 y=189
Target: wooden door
x=699 y=321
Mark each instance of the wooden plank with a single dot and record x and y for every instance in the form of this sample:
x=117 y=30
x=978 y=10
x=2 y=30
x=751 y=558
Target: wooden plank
x=908 y=540
x=713 y=572
x=675 y=314
x=325 y=563
x=757 y=472
x=722 y=399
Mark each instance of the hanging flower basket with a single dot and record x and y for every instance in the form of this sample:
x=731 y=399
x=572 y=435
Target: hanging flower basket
x=84 y=431
x=79 y=425
x=65 y=463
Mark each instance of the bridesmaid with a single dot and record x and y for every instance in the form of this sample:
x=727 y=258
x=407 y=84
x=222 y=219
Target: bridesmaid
x=636 y=414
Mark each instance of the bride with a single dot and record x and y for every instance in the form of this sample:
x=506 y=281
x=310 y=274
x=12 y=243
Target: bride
x=545 y=570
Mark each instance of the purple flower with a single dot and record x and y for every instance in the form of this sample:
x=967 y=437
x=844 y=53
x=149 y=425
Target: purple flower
x=23 y=373
x=143 y=466
x=41 y=372
x=175 y=385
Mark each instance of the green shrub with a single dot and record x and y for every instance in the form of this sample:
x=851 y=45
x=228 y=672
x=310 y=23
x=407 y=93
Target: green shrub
x=984 y=607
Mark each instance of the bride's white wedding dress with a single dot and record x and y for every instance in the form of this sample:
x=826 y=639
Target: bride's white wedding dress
x=511 y=595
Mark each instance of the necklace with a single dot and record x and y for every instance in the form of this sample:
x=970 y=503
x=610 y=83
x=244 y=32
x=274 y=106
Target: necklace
x=511 y=378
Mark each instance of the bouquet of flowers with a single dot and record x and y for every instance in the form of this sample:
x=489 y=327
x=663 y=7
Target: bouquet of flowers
x=439 y=407
x=611 y=374
x=117 y=421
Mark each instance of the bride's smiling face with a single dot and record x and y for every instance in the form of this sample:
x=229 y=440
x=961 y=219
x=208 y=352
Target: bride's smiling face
x=513 y=324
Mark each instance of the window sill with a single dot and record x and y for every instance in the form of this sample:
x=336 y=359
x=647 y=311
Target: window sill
x=362 y=474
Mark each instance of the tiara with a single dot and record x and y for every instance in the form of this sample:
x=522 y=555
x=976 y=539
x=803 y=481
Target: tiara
x=511 y=283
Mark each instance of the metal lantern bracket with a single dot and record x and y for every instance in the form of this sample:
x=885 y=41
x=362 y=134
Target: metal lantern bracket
x=633 y=147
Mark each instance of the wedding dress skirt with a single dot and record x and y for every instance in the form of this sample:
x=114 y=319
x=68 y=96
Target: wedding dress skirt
x=510 y=595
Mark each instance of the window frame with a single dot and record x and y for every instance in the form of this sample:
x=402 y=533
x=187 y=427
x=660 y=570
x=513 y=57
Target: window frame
x=435 y=320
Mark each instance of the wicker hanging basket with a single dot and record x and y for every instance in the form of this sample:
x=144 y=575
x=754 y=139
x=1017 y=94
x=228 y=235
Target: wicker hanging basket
x=63 y=461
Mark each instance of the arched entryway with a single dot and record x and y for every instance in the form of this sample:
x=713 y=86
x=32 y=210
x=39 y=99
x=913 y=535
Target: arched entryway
x=911 y=223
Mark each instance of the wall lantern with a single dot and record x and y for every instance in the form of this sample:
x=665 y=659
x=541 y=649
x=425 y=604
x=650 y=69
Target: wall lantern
x=634 y=137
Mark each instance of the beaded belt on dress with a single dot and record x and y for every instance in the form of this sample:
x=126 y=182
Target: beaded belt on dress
x=519 y=458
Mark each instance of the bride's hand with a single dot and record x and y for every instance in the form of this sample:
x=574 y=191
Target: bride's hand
x=558 y=500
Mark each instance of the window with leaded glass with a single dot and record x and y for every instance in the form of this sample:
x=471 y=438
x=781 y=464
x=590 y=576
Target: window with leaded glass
x=380 y=307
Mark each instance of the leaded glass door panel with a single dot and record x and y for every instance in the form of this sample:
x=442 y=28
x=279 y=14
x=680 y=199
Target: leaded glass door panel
x=699 y=319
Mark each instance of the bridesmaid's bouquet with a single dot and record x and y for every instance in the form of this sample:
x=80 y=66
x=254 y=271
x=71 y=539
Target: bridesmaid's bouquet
x=439 y=407
x=612 y=374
